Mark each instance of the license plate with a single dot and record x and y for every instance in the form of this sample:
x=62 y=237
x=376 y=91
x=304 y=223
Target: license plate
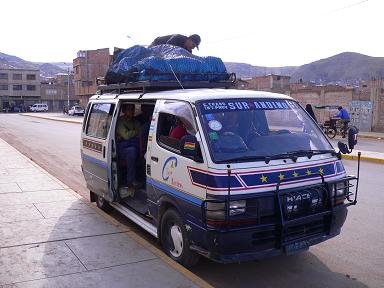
x=296 y=247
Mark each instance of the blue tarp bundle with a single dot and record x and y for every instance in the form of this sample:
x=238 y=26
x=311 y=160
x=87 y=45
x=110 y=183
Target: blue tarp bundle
x=163 y=62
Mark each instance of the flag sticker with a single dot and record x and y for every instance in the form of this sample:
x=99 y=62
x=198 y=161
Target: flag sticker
x=189 y=146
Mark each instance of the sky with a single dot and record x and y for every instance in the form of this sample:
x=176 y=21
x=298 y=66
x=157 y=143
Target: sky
x=271 y=33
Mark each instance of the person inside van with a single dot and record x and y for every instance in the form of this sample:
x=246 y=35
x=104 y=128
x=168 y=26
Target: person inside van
x=231 y=123
x=145 y=122
x=128 y=132
x=179 y=130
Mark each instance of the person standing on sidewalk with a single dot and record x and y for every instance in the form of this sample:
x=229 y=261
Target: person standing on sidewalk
x=344 y=118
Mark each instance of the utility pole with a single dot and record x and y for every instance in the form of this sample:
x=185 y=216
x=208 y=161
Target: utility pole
x=68 y=89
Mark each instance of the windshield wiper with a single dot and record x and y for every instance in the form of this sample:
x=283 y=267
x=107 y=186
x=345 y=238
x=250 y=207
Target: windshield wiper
x=243 y=158
x=310 y=153
x=298 y=153
x=286 y=155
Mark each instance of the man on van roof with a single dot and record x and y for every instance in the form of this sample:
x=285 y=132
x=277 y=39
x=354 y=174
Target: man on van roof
x=189 y=43
x=128 y=131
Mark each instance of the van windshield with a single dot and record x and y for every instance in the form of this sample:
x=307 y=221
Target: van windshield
x=259 y=129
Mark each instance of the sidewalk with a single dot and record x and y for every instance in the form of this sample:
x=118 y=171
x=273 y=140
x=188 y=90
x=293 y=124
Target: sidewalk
x=370 y=156
x=372 y=135
x=50 y=237
x=55 y=116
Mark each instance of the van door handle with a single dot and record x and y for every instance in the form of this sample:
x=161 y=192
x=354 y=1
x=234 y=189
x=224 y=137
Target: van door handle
x=155 y=158
x=104 y=152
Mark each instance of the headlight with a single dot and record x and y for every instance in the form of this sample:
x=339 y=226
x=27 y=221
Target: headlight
x=340 y=189
x=237 y=207
x=216 y=210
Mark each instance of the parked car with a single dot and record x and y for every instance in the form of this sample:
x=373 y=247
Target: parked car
x=15 y=109
x=39 y=108
x=76 y=110
x=6 y=109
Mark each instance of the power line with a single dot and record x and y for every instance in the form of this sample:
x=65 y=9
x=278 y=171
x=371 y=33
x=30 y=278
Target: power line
x=348 y=6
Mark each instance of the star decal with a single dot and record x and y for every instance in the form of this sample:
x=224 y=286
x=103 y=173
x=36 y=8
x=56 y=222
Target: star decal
x=263 y=178
x=308 y=172
x=281 y=176
x=295 y=174
x=321 y=171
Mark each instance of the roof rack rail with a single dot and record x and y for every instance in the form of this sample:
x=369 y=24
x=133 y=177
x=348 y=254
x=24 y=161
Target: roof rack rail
x=160 y=85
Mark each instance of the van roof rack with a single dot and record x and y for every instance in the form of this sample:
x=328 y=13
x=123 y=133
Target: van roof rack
x=161 y=85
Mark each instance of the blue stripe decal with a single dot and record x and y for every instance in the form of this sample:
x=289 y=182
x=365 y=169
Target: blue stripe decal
x=213 y=181
x=174 y=192
x=339 y=167
x=276 y=176
x=95 y=161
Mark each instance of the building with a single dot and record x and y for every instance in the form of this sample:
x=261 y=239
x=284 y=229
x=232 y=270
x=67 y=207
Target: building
x=358 y=100
x=58 y=92
x=89 y=65
x=242 y=84
x=19 y=88
x=270 y=82
x=377 y=100
x=323 y=95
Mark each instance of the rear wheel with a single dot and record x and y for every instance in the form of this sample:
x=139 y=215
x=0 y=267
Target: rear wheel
x=174 y=239
x=103 y=204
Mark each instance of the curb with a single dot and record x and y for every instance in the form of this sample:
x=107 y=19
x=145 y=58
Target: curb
x=371 y=137
x=363 y=158
x=53 y=119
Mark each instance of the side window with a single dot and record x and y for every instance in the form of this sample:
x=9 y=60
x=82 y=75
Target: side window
x=86 y=115
x=175 y=121
x=166 y=123
x=99 y=120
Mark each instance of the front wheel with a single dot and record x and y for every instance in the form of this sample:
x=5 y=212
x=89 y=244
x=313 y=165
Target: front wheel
x=174 y=239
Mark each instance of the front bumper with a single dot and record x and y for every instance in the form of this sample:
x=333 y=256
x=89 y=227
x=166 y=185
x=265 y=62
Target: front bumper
x=263 y=241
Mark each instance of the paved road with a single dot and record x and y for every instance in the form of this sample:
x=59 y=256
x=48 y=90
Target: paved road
x=354 y=259
x=53 y=145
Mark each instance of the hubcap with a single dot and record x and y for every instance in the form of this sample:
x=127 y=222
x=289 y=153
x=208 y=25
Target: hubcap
x=177 y=238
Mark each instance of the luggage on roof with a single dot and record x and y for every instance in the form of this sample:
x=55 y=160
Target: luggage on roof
x=164 y=63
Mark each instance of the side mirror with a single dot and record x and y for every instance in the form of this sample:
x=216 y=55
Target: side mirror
x=190 y=147
x=352 y=137
x=343 y=147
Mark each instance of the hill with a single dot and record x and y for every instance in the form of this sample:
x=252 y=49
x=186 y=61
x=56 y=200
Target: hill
x=46 y=69
x=345 y=67
x=244 y=70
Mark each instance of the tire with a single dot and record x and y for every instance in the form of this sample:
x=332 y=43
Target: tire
x=103 y=204
x=331 y=133
x=174 y=239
